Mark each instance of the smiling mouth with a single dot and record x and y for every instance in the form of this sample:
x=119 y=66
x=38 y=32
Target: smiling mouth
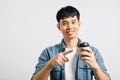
x=70 y=32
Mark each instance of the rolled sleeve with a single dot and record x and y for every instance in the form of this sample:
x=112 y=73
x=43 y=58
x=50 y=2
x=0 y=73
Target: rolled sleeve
x=100 y=61
x=42 y=60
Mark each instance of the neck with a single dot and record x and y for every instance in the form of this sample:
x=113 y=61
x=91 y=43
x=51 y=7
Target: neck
x=71 y=43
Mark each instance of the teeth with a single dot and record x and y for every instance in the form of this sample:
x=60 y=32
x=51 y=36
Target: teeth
x=69 y=31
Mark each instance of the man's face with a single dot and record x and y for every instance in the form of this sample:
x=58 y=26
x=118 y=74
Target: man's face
x=69 y=27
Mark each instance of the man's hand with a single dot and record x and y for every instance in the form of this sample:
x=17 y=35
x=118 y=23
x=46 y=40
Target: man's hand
x=87 y=55
x=59 y=59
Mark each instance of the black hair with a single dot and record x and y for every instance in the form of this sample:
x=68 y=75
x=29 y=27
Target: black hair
x=67 y=11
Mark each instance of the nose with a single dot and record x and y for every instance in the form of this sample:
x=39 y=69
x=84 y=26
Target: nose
x=69 y=26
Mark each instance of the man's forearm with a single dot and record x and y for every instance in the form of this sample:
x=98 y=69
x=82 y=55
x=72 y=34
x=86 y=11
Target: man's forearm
x=43 y=73
x=99 y=74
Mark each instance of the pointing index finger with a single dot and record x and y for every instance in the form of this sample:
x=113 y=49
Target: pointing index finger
x=67 y=52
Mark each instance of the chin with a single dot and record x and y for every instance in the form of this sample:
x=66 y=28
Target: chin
x=71 y=37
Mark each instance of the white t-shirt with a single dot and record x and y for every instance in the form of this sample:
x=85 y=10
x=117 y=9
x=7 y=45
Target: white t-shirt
x=69 y=67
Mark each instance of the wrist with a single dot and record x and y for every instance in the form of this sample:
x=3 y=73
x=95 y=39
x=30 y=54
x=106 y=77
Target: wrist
x=96 y=67
x=49 y=65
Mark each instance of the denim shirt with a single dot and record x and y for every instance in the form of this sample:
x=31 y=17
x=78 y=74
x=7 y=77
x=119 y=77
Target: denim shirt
x=82 y=70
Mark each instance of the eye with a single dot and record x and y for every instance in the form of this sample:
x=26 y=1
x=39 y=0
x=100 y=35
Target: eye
x=74 y=22
x=64 y=23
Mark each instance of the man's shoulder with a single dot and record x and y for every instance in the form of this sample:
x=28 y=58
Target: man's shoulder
x=96 y=52
x=53 y=47
x=94 y=49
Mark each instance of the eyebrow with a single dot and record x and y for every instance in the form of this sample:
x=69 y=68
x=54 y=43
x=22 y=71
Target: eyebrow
x=64 y=21
x=71 y=20
x=74 y=20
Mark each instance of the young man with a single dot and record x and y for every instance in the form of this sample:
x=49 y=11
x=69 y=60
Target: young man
x=64 y=61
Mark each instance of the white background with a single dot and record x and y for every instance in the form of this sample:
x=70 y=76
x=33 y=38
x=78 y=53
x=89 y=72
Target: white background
x=29 y=26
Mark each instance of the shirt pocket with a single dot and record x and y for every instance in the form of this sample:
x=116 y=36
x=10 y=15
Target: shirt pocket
x=85 y=72
x=84 y=66
x=55 y=73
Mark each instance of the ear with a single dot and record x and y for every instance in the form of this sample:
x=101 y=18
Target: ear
x=79 y=24
x=58 y=26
